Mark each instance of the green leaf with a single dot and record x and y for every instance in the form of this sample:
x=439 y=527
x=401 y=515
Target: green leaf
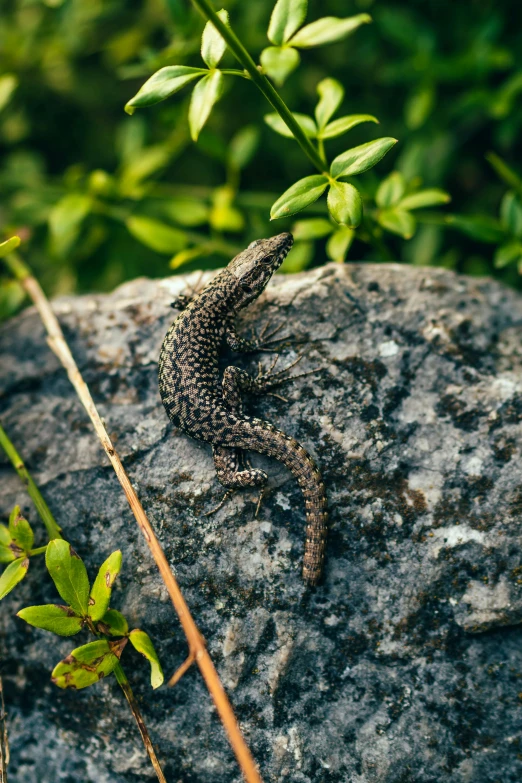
x=397 y=221
x=345 y=204
x=88 y=664
x=510 y=253
x=69 y=574
x=344 y=124
x=5 y=535
x=327 y=30
x=425 y=198
x=186 y=211
x=8 y=84
x=204 y=95
x=362 y=158
x=20 y=530
x=156 y=235
x=287 y=17
x=279 y=62
x=481 y=227
x=339 y=243
x=390 y=190
x=143 y=644
x=511 y=213
x=331 y=94
x=314 y=228
x=100 y=596
x=223 y=215
x=163 y=83
x=504 y=171
x=184 y=256
x=13 y=574
x=143 y=165
x=7 y=555
x=114 y=623
x=9 y=551
x=12 y=296
x=243 y=146
x=213 y=45
x=65 y=221
x=8 y=246
x=298 y=196
x=279 y=126
x=52 y=617
x=419 y=107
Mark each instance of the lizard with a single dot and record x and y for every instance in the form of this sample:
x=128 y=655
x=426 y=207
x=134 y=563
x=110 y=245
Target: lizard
x=209 y=408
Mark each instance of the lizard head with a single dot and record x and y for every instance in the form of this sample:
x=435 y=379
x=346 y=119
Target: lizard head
x=254 y=267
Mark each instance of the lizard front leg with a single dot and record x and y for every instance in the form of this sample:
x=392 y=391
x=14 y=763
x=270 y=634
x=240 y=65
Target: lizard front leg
x=236 y=381
x=265 y=342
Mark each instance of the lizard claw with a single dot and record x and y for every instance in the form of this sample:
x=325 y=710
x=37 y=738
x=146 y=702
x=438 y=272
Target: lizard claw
x=228 y=494
x=269 y=343
x=267 y=380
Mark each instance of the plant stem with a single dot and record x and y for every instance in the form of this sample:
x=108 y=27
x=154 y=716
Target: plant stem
x=504 y=171
x=260 y=80
x=195 y=640
x=53 y=528
x=4 y=741
x=320 y=149
x=138 y=717
x=234 y=72
x=40 y=550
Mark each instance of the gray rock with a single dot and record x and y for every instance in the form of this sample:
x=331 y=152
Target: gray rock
x=405 y=665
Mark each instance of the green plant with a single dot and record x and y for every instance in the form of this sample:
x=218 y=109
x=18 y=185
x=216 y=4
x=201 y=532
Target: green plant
x=16 y=548
x=344 y=200
x=441 y=80
x=87 y=607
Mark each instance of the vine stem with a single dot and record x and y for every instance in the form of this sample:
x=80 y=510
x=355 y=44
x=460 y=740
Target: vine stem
x=196 y=642
x=138 y=717
x=4 y=741
x=53 y=528
x=260 y=80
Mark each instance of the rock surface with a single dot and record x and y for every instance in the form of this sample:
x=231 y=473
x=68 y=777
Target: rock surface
x=405 y=666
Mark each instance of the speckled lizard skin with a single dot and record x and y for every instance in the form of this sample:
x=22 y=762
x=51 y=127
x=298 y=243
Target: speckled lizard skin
x=209 y=408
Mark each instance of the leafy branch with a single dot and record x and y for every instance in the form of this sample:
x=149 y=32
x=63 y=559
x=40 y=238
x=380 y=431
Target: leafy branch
x=344 y=200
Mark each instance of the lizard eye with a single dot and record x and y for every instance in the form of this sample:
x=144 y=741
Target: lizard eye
x=246 y=288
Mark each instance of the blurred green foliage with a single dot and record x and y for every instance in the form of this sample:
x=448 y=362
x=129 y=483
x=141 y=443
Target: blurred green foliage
x=99 y=197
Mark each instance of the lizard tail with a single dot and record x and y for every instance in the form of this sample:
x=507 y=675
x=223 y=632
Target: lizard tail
x=264 y=438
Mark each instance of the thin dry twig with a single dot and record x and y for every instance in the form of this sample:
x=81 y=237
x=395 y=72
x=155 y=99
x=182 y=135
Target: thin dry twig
x=178 y=674
x=4 y=742
x=196 y=642
x=138 y=717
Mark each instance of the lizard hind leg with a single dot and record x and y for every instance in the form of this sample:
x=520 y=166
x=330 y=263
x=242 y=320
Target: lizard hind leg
x=229 y=464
